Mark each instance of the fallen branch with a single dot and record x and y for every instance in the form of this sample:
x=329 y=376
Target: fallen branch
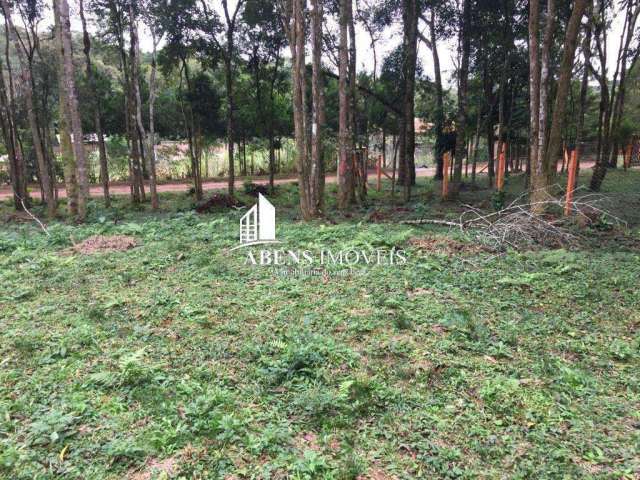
x=517 y=227
x=44 y=229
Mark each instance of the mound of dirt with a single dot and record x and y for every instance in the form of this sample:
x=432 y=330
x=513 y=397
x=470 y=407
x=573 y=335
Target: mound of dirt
x=444 y=245
x=101 y=243
x=216 y=202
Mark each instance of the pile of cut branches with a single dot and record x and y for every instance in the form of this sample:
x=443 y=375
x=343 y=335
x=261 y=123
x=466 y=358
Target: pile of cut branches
x=517 y=226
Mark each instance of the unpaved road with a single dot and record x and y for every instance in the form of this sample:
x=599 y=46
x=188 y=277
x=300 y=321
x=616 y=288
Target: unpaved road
x=123 y=188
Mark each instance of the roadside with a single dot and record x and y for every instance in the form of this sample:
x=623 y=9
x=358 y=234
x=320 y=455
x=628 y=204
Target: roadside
x=184 y=186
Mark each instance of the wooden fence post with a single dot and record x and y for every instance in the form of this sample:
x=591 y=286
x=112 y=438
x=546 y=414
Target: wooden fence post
x=571 y=182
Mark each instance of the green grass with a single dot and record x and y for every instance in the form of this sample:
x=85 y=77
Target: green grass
x=451 y=366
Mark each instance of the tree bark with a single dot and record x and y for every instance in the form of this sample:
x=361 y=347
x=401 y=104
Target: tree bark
x=357 y=155
x=68 y=160
x=316 y=181
x=155 y=203
x=563 y=84
x=461 y=120
x=346 y=187
x=296 y=33
x=411 y=16
x=72 y=110
x=97 y=109
x=439 y=123
x=228 y=64
x=538 y=177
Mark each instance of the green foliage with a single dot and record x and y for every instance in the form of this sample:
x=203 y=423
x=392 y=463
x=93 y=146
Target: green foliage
x=450 y=366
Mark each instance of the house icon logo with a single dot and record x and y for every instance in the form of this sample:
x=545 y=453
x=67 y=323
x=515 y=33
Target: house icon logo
x=258 y=225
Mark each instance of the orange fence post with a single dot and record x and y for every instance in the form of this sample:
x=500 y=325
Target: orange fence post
x=445 y=177
x=571 y=182
x=501 y=168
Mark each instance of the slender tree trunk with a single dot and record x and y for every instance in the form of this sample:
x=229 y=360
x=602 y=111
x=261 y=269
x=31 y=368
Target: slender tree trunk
x=155 y=204
x=316 y=181
x=538 y=177
x=545 y=60
x=97 y=110
x=461 y=120
x=135 y=83
x=68 y=160
x=356 y=129
x=410 y=55
x=346 y=186
x=439 y=113
x=563 y=84
x=296 y=33
x=72 y=109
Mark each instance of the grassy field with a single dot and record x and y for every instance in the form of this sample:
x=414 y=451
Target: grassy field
x=175 y=359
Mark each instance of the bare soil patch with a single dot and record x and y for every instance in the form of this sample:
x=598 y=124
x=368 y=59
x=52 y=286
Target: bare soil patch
x=167 y=467
x=445 y=245
x=101 y=243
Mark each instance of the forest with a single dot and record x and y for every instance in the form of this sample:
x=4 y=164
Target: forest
x=319 y=239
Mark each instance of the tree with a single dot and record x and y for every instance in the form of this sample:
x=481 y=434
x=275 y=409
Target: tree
x=96 y=107
x=17 y=171
x=544 y=144
x=266 y=39
x=407 y=172
x=346 y=192
x=463 y=79
x=72 y=109
x=27 y=79
x=310 y=167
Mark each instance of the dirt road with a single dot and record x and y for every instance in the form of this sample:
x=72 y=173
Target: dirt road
x=123 y=188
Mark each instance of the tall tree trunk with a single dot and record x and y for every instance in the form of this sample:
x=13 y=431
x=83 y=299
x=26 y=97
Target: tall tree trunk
x=155 y=204
x=545 y=73
x=135 y=171
x=538 y=177
x=66 y=153
x=563 y=84
x=27 y=81
x=296 y=32
x=632 y=14
x=72 y=111
x=461 y=120
x=316 y=181
x=439 y=113
x=97 y=109
x=135 y=84
x=356 y=131
x=228 y=64
x=410 y=9
x=346 y=186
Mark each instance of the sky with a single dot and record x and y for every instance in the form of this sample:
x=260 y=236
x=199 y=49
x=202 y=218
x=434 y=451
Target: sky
x=389 y=39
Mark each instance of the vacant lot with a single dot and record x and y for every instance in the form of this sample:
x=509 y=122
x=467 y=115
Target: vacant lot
x=173 y=358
